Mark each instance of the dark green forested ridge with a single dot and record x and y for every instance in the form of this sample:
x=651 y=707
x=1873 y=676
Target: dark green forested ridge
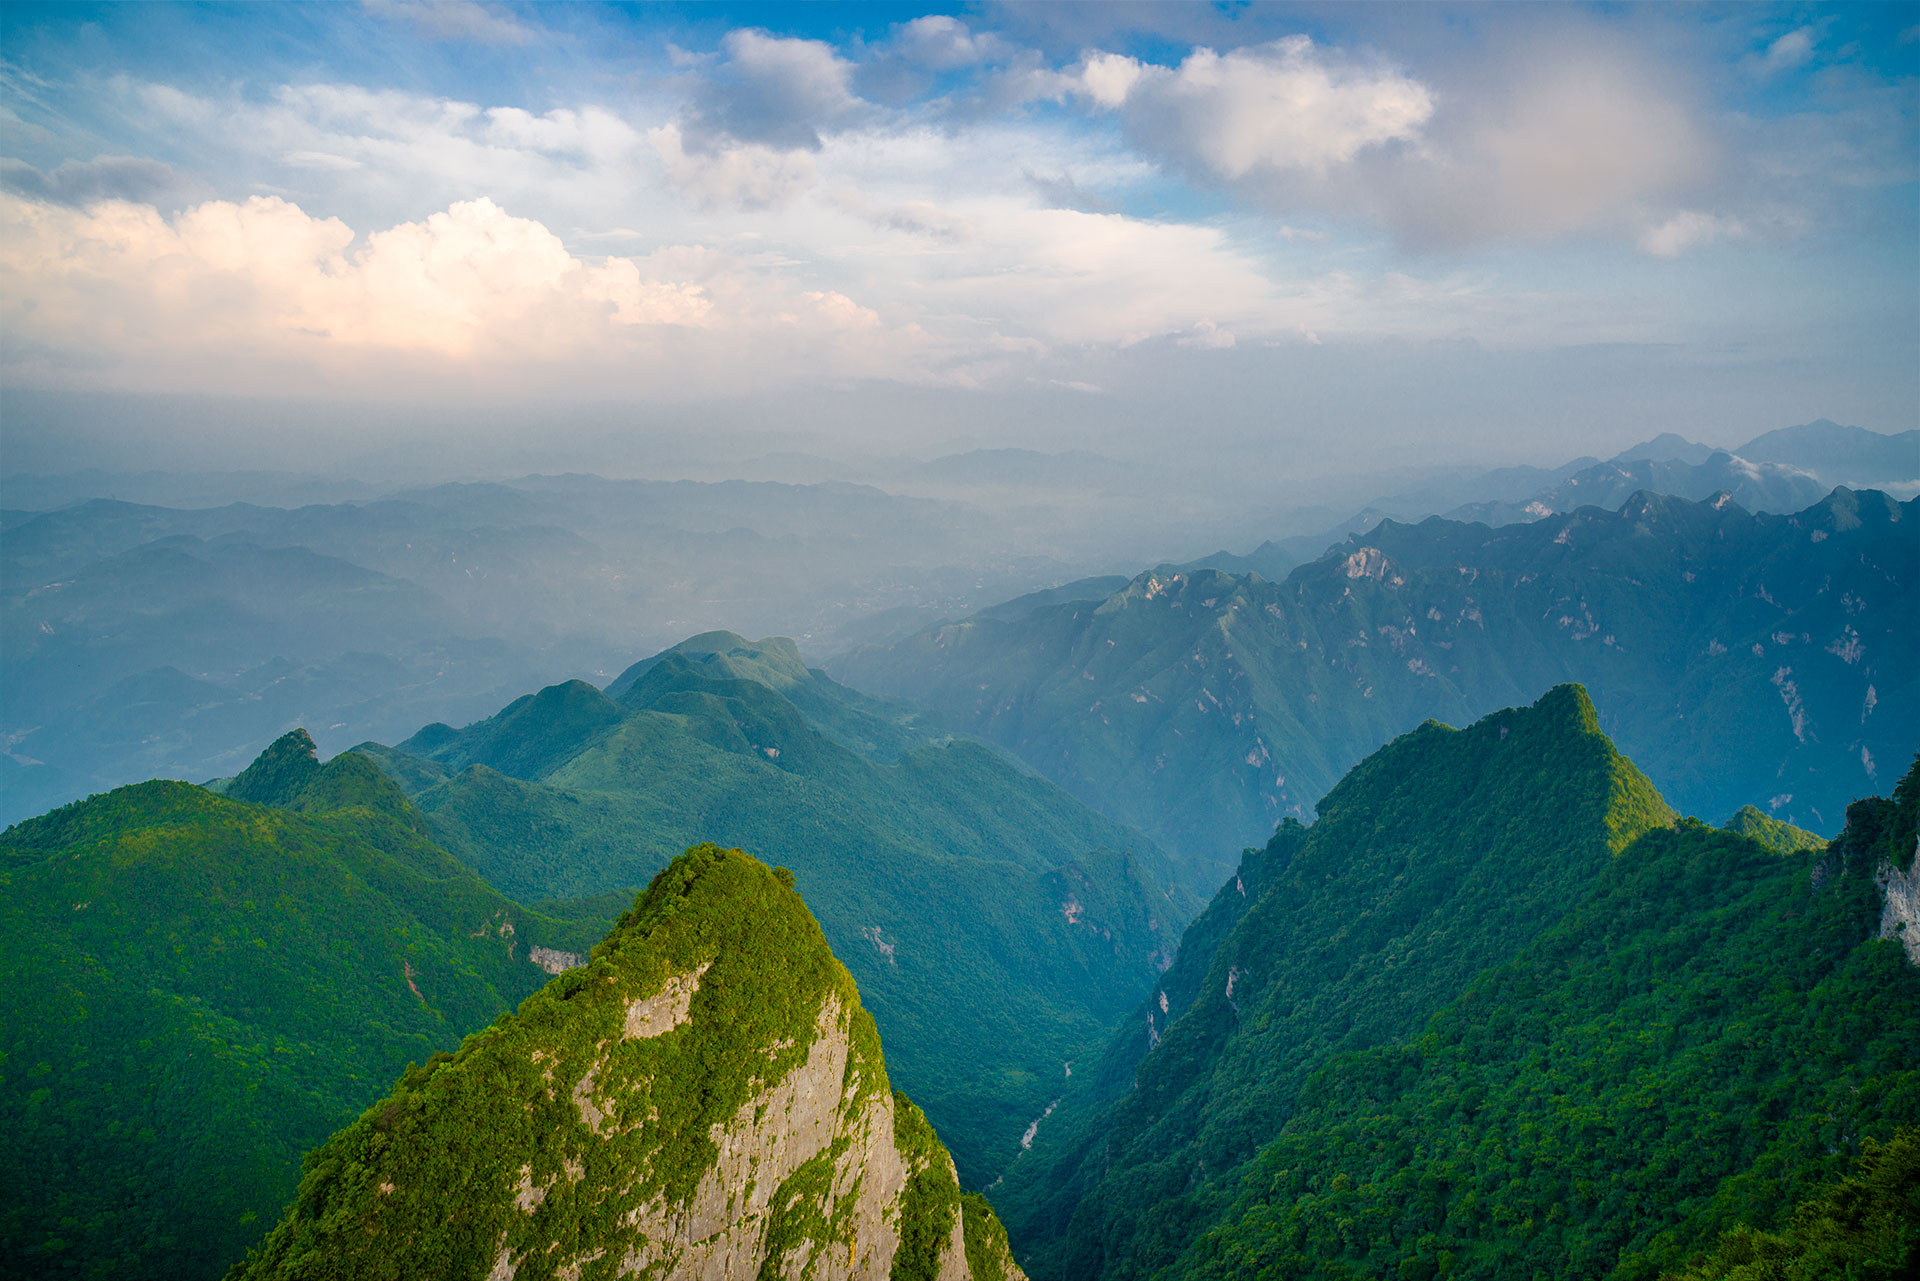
x=705 y=1093
x=279 y=773
x=1864 y=1228
x=1697 y=1037
x=199 y=989
x=998 y=928
x=1442 y=851
x=1741 y=659
x=1784 y=838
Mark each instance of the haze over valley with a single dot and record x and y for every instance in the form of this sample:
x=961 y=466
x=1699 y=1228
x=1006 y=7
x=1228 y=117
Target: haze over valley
x=1085 y=642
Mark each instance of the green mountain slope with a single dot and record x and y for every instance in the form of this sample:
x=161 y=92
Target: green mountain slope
x=1738 y=658
x=201 y=988
x=1440 y=853
x=997 y=927
x=1783 y=838
x=1865 y=1228
x=1699 y=1045
x=1491 y=1016
x=705 y=1097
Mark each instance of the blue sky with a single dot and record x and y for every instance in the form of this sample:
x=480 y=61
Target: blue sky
x=1356 y=231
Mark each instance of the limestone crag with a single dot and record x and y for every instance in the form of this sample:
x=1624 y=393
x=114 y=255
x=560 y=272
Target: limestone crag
x=704 y=1098
x=1900 y=904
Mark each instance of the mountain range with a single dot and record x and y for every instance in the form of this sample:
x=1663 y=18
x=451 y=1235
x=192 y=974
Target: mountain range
x=1495 y=1014
x=995 y=924
x=1743 y=658
x=166 y=624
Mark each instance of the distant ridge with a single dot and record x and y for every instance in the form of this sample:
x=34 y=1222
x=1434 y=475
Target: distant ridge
x=1204 y=707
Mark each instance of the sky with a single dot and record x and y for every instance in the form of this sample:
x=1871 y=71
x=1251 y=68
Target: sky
x=1350 y=235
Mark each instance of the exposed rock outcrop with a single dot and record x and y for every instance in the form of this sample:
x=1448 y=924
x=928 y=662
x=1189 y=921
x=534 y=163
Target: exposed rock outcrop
x=704 y=1098
x=1900 y=904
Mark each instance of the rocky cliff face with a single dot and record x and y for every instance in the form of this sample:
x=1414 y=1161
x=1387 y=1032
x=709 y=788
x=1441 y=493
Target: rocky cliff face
x=704 y=1098
x=1900 y=904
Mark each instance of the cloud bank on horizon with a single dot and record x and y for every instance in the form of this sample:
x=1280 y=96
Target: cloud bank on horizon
x=452 y=198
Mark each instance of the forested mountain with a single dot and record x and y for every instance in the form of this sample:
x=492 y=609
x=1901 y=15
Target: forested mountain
x=997 y=926
x=202 y=988
x=1740 y=657
x=1493 y=1015
x=704 y=1097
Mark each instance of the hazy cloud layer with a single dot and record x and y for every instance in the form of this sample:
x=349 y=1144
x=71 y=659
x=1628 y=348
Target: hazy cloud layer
x=1003 y=200
x=82 y=182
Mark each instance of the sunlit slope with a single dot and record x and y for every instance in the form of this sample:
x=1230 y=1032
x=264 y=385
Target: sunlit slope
x=1440 y=854
x=199 y=989
x=706 y=1097
x=998 y=927
x=1771 y=660
x=1492 y=1016
x=1698 y=1046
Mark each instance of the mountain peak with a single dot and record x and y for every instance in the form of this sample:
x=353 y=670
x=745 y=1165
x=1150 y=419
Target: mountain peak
x=773 y=661
x=704 y=1097
x=279 y=773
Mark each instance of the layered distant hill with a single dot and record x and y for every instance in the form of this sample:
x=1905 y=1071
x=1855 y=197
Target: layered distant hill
x=997 y=926
x=1758 y=487
x=147 y=640
x=1772 y=659
x=1495 y=1014
x=201 y=988
x=704 y=1098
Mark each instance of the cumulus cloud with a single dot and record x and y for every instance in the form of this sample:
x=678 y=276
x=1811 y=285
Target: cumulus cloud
x=259 y=295
x=772 y=90
x=1563 y=136
x=1270 y=109
x=942 y=43
x=264 y=280
x=83 y=182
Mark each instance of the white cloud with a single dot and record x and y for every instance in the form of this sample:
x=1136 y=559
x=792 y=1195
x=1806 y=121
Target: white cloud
x=1788 y=52
x=1207 y=336
x=1685 y=230
x=1269 y=109
x=262 y=281
x=1107 y=78
x=749 y=176
x=772 y=90
x=942 y=43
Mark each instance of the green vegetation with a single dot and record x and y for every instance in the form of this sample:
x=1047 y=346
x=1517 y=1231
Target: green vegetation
x=1781 y=838
x=931 y=1201
x=988 y=1258
x=1637 y=1035
x=1865 y=1228
x=201 y=989
x=1687 y=1051
x=1442 y=851
x=1736 y=657
x=998 y=928
x=565 y=1141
